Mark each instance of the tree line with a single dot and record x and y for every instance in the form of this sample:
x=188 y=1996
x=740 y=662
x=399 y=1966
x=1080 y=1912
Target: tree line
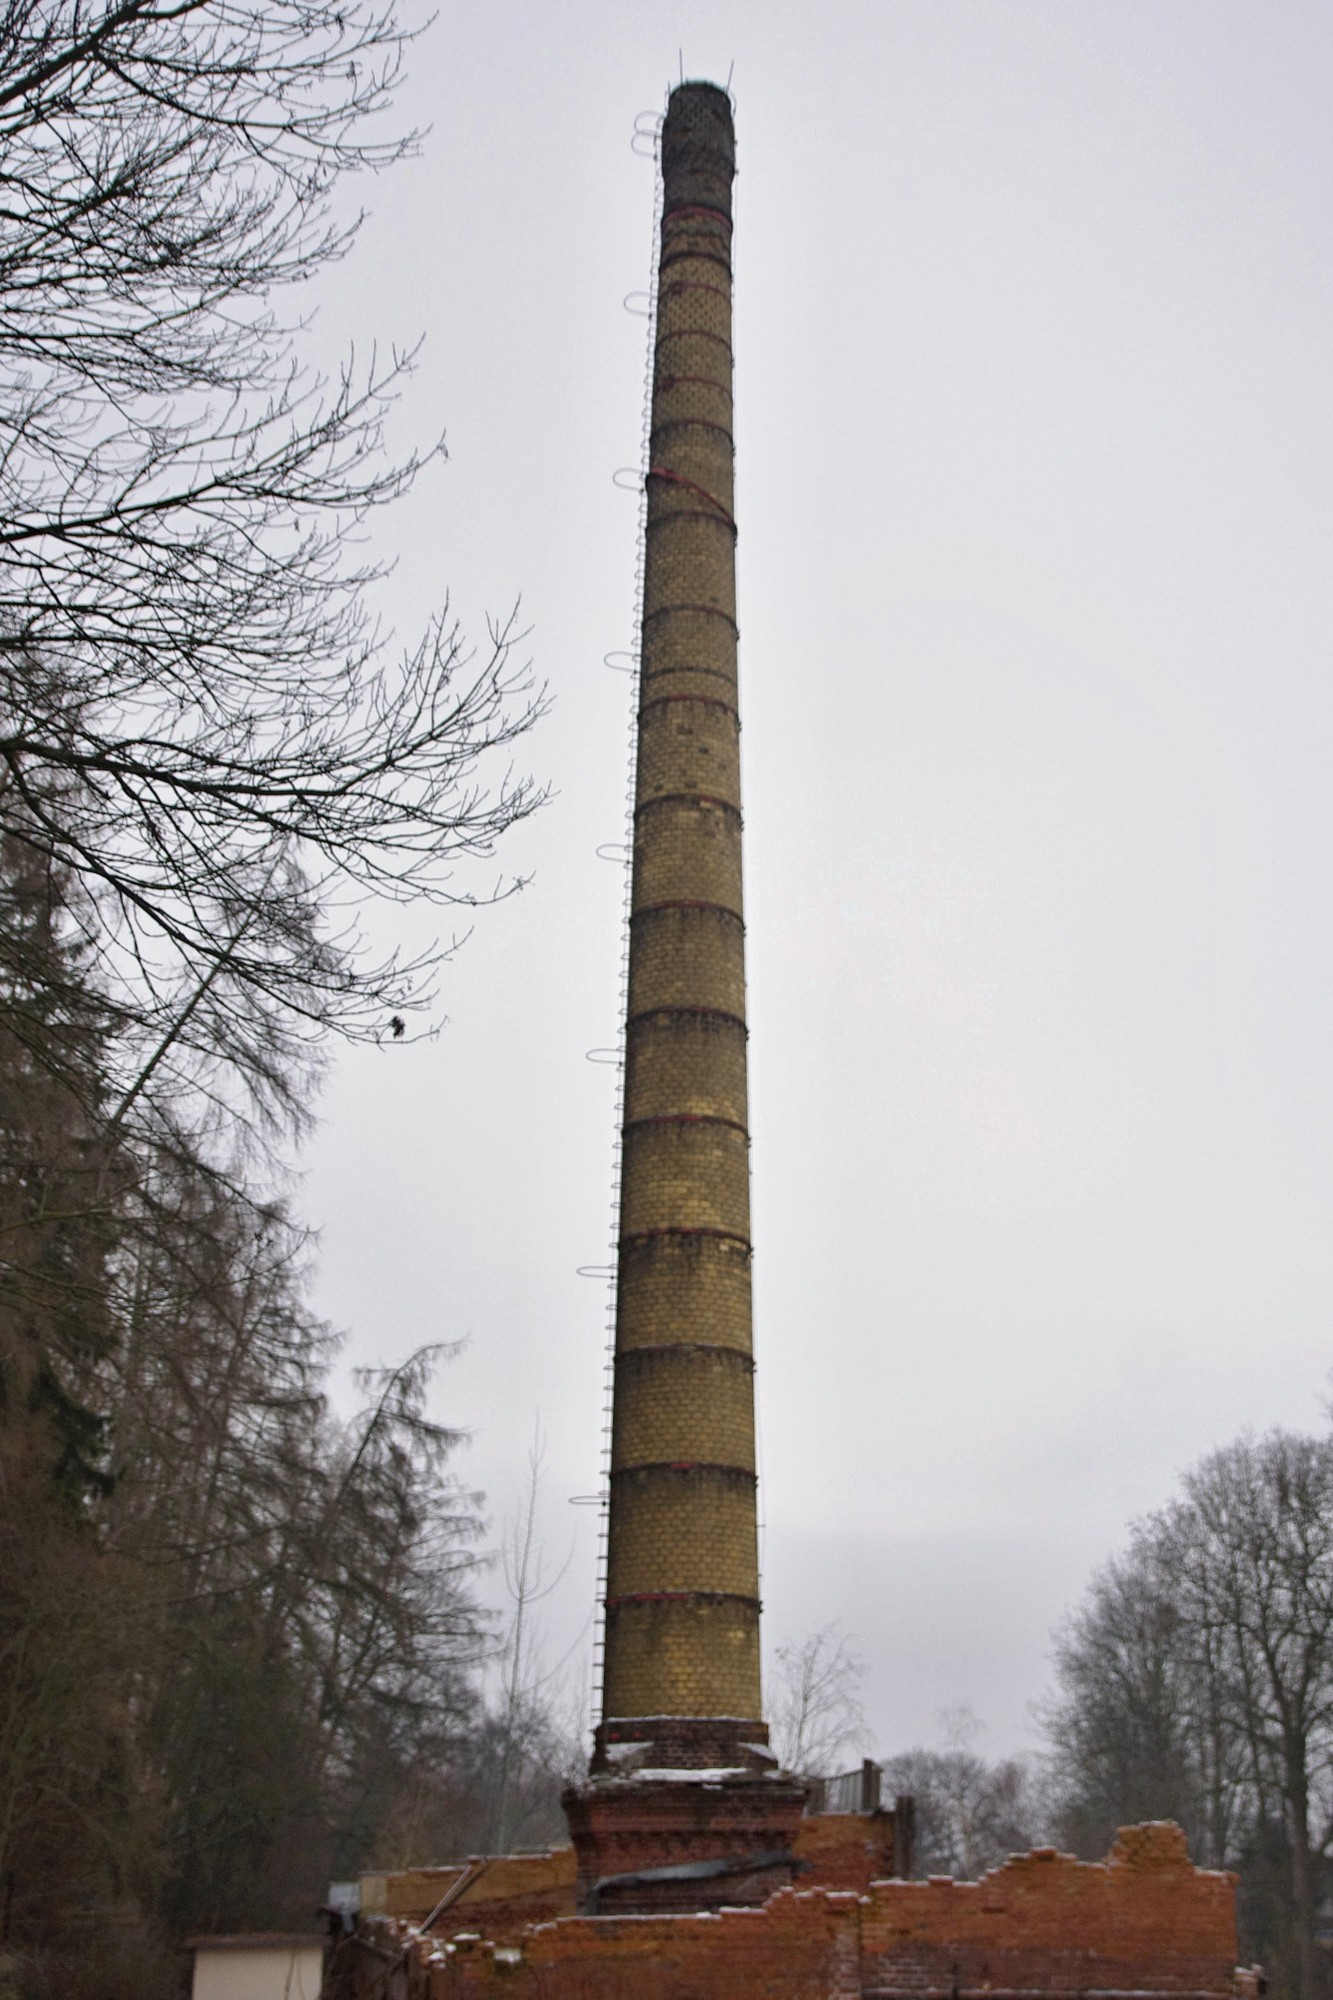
x=1194 y=1682
x=241 y=1645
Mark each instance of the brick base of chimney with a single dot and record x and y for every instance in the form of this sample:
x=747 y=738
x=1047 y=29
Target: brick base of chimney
x=661 y=1840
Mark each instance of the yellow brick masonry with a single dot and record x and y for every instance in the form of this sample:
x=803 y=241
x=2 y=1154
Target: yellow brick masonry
x=686 y=1062
x=682 y=1628
x=695 y=1289
x=705 y=1392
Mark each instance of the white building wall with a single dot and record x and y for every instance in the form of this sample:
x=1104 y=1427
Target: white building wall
x=258 y=1972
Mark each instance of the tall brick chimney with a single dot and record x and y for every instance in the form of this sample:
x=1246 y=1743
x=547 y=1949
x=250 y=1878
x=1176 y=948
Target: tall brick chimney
x=681 y=1684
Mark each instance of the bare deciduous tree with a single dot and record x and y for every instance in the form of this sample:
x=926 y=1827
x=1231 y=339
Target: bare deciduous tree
x=814 y=1702
x=970 y=1814
x=198 y=713
x=526 y=1709
x=231 y=1627
x=1143 y=1718
x=1197 y=1683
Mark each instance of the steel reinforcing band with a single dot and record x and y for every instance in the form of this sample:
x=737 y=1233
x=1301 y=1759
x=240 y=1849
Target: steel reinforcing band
x=627 y=1597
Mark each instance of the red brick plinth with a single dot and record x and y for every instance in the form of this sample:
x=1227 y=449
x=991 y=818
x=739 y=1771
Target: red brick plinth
x=690 y=1840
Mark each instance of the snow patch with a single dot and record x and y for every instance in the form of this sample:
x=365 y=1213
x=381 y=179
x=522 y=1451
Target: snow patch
x=662 y=1776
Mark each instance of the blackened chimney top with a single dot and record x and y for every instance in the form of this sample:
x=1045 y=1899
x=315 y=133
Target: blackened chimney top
x=698 y=149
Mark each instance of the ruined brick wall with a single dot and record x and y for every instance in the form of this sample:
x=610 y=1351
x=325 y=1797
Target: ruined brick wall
x=844 y=1850
x=796 y=1945
x=1143 y=1920
x=682 y=1609
x=1143 y=1923
x=499 y=1897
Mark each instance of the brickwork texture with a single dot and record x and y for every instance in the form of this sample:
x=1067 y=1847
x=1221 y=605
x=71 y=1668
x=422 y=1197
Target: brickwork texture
x=1144 y=1922
x=682 y=1602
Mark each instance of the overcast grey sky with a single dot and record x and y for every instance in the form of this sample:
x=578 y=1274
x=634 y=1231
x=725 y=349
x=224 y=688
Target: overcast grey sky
x=1034 y=332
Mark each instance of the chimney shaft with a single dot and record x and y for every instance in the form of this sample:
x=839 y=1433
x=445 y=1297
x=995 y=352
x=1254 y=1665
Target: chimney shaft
x=682 y=1599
